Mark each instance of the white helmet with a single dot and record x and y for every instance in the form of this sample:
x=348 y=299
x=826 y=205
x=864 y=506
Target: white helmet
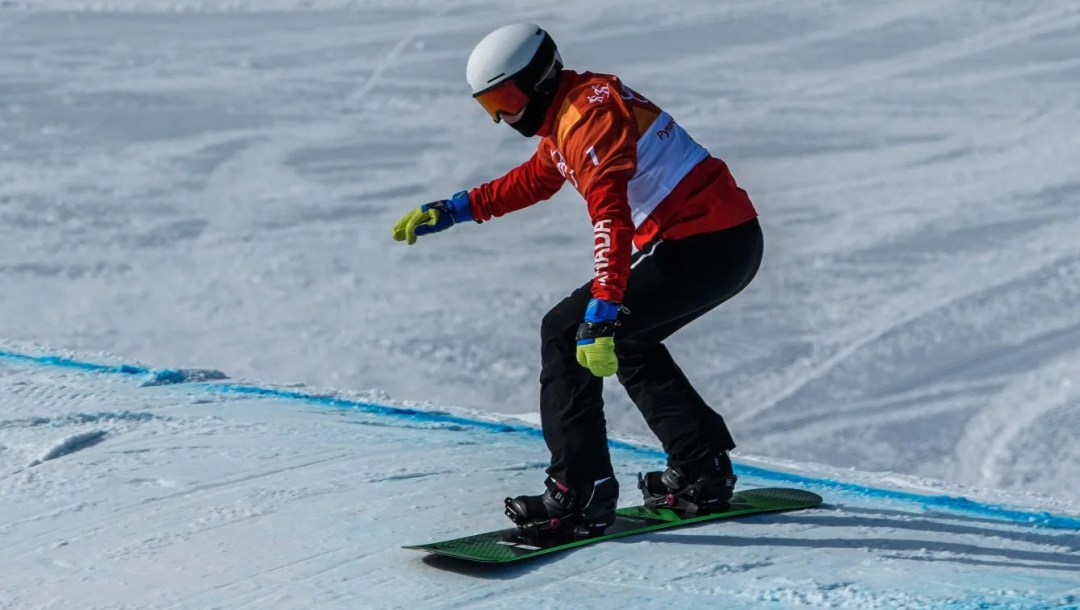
x=512 y=67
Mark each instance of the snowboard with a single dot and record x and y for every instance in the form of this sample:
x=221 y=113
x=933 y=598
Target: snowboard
x=515 y=544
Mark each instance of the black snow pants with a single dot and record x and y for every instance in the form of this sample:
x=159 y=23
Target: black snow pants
x=671 y=284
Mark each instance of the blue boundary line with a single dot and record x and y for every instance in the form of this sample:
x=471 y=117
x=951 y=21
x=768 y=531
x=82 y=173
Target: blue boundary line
x=927 y=502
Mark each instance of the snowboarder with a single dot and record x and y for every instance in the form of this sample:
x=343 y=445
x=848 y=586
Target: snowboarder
x=647 y=184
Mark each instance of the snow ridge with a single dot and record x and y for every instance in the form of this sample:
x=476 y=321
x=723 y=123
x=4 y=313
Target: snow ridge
x=77 y=419
x=70 y=445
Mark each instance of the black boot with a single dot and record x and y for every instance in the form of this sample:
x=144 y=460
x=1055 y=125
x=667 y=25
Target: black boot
x=560 y=508
x=695 y=489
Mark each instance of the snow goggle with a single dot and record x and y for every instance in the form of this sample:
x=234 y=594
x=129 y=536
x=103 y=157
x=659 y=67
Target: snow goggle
x=504 y=98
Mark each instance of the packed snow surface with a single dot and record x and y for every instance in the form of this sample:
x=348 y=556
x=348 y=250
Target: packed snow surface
x=209 y=185
x=229 y=495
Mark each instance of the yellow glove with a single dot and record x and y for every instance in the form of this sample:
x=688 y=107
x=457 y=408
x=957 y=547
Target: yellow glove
x=406 y=229
x=598 y=356
x=433 y=217
x=596 y=338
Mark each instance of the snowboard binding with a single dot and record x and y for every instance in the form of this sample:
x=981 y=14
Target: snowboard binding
x=678 y=502
x=708 y=491
x=557 y=509
x=539 y=527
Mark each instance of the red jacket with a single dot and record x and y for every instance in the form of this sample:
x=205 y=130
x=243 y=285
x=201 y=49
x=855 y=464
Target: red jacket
x=641 y=174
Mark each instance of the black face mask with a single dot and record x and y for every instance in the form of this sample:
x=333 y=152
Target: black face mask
x=536 y=110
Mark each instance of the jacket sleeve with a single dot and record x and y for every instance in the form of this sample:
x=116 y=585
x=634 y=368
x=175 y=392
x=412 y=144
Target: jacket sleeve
x=613 y=234
x=533 y=181
x=601 y=149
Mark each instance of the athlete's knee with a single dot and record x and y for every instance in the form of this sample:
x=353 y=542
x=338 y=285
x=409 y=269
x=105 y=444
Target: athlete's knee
x=559 y=322
x=631 y=355
x=639 y=357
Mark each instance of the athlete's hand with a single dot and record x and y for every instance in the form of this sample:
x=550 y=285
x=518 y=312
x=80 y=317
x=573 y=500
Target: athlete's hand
x=596 y=338
x=433 y=217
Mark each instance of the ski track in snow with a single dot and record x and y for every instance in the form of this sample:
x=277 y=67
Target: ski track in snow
x=256 y=501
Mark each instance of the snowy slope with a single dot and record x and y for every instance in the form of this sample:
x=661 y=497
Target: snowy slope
x=211 y=184
x=119 y=492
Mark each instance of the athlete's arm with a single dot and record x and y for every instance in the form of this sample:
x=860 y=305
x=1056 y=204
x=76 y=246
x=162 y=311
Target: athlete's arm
x=604 y=179
x=529 y=183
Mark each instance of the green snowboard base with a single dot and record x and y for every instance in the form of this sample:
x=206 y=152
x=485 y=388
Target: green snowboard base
x=513 y=544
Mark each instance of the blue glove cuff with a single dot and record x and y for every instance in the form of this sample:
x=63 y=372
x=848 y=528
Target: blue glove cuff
x=600 y=310
x=459 y=207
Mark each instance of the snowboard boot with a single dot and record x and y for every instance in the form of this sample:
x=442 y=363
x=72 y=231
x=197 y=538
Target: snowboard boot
x=560 y=508
x=697 y=489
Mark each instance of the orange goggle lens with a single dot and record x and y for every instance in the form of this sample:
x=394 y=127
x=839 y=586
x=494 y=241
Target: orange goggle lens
x=505 y=98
